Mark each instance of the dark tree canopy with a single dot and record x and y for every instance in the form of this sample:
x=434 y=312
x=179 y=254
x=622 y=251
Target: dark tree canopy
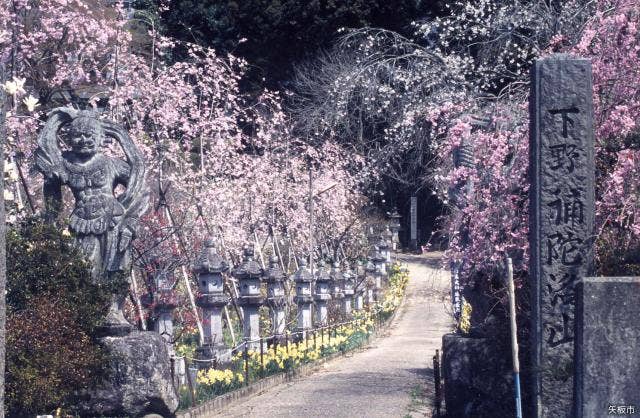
x=272 y=35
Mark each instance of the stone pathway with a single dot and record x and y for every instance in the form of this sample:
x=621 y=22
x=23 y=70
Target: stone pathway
x=390 y=378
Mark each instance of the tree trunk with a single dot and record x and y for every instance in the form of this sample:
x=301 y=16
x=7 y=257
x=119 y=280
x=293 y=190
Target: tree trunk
x=3 y=255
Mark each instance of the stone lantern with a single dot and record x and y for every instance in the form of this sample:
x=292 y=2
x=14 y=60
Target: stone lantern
x=208 y=268
x=165 y=304
x=370 y=270
x=274 y=276
x=378 y=259
x=349 y=285
x=384 y=247
x=387 y=235
x=303 y=280
x=359 y=287
x=322 y=294
x=248 y=274
x=162 y=301
x=337 y=285
x=395 y=228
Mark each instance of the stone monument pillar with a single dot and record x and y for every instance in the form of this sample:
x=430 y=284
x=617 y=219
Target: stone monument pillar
x=303 y=280
x=322 y=294
x=248 y=274
x=562 y=173
x=274 y=276
x=208 y=268
x=413 y=217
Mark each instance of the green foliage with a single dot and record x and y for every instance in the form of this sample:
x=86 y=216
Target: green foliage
x=53 y=307
x=274 y=34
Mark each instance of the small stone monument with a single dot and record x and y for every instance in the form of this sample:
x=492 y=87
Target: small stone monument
x=561 y=220
x=274 y=276
x=606 y=352
x=71 y=153
x=322 y=294
x=208 y=268
x=303 y=280
x=249 y=274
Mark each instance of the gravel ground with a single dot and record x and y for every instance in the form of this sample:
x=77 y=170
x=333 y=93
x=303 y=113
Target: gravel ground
x=392 y=377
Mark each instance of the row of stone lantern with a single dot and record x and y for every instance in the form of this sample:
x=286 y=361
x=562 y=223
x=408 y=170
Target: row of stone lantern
x=212 y=300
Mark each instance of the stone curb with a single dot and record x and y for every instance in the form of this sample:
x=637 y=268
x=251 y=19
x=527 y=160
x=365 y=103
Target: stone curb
x=219 y=403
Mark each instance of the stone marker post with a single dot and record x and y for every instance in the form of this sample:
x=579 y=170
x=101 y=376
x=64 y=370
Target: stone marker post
x=561 y=220
x=303 y=280
x=274 y=276
x=248 y=274
x=413 y=216
x=322 y=294
x=208 y=268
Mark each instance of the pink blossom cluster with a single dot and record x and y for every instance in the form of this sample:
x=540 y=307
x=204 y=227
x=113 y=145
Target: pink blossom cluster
x=495 y=216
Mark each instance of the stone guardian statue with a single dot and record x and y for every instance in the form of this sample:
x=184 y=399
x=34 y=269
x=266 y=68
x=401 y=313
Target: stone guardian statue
x=71 y=153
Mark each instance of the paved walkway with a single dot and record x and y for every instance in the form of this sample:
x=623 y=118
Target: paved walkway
x=390 y=378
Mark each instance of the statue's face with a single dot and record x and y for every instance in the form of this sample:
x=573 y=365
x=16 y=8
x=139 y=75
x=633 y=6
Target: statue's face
x=85 y=136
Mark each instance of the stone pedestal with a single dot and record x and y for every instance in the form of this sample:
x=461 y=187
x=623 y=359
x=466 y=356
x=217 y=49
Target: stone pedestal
x=337 y=287
x=138 y=379
x=348 y=292
x=322 y=295
x=274 y=277
x=248 y=274
x=359 y=302
x=166 y=302
x=607 y=372
x=303 y=280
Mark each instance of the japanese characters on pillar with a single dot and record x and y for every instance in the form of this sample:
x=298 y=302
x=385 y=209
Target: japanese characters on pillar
x=561 y=220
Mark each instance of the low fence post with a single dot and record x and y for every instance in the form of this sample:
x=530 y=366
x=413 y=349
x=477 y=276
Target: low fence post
x=246 y=361
x=192 y=392
x=436 y=378
x=261 y=358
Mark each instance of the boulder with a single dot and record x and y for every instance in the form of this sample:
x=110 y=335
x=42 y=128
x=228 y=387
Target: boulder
x=138 y=379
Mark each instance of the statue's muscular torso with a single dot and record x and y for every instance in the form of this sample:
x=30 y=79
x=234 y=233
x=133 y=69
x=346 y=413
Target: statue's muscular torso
x=92 y=184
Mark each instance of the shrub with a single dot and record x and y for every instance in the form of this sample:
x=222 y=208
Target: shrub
x=53 y=306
